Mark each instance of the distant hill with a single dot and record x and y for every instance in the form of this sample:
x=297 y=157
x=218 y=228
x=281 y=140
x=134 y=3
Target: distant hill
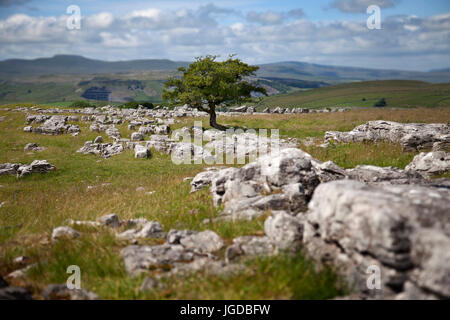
x=65 y=78
x=71 y=64
x=337 y=74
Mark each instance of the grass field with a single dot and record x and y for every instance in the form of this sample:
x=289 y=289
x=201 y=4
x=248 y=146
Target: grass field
x=36 y=204
x=398 y=94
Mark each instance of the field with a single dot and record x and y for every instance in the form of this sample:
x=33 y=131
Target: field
x=33 y=206
x=398 y=94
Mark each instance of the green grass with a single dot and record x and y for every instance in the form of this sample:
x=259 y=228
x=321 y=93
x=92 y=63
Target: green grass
x=398 y=94
x=38 y=203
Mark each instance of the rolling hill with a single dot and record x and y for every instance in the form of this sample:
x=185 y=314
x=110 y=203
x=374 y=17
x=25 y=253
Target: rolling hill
x=71 y=64
x=65 y=78
x=398 y=94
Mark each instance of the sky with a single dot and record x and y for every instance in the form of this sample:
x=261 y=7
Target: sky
x=413 y=34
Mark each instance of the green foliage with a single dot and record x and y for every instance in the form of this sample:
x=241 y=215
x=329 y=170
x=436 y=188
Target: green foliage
x=135 y=104
x=381 y=103
x=210 y=82
x=82 y=104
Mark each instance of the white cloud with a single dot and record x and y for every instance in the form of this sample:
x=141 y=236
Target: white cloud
x=265 y=18
x=406 y=41
x=360 y=6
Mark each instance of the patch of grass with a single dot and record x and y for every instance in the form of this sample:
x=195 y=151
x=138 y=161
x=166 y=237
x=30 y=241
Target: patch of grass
x=350 y=155
x=279 y=277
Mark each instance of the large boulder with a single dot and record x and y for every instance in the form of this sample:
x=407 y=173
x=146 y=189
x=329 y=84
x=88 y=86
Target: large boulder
x=400 y=230
x=430 y=164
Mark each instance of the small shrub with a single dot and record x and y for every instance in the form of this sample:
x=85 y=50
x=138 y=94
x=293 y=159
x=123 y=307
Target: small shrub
x=82 y=104
x=381 y=103
x=135 y=104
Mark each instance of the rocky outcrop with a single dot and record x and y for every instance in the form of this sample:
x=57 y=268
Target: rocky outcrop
x=33 y=147
x=402 y=231
x=37 y=166
x=21 y=170
x=430 y=164
x=411 y=136
x=104 y=150
x=52 y=125
x=287 y=180
x=284 y=181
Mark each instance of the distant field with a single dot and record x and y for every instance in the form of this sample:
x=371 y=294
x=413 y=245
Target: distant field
x=398 y=94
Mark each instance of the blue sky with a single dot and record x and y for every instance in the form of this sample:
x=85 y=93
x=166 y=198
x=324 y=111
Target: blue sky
x=415 y=34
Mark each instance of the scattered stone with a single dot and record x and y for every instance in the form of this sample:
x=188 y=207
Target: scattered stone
x=110 y=220
x=61 y=292
x=99 y=139
x=136 y=136
x=250 y=246
x=140 y=259
x=148 y=229
x=105 y=150
x=430 y=164
x=22 y=260
x=174 y=236
x=37 y=166
x=20 y=273
x=203 y=242
x=15 y=293
x=9 y=168
x=32 y=147
x=64 y=233
x=141 y=152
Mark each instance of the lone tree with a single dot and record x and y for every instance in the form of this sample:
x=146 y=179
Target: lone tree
x=208 y=83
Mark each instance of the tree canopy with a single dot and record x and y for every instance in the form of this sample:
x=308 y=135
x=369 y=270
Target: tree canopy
x=208 y=83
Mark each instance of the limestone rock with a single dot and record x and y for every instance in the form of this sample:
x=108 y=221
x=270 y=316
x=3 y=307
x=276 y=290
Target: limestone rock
x=37 y=166
x=412 y=136
x=64 y=233
x=400 y=229
x=430 y=164
x=61 y=292
x=203 y=242
x=140 y=259
x=284 y=230
x=141 y=152
x=110 y=220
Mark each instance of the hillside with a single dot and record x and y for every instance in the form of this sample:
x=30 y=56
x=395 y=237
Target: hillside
x=71 y=64
x=338 y=74
x=64 y=78
x=365 y=94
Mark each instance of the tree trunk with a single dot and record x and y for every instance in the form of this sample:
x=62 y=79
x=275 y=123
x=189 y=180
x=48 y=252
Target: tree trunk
x=212 y=120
